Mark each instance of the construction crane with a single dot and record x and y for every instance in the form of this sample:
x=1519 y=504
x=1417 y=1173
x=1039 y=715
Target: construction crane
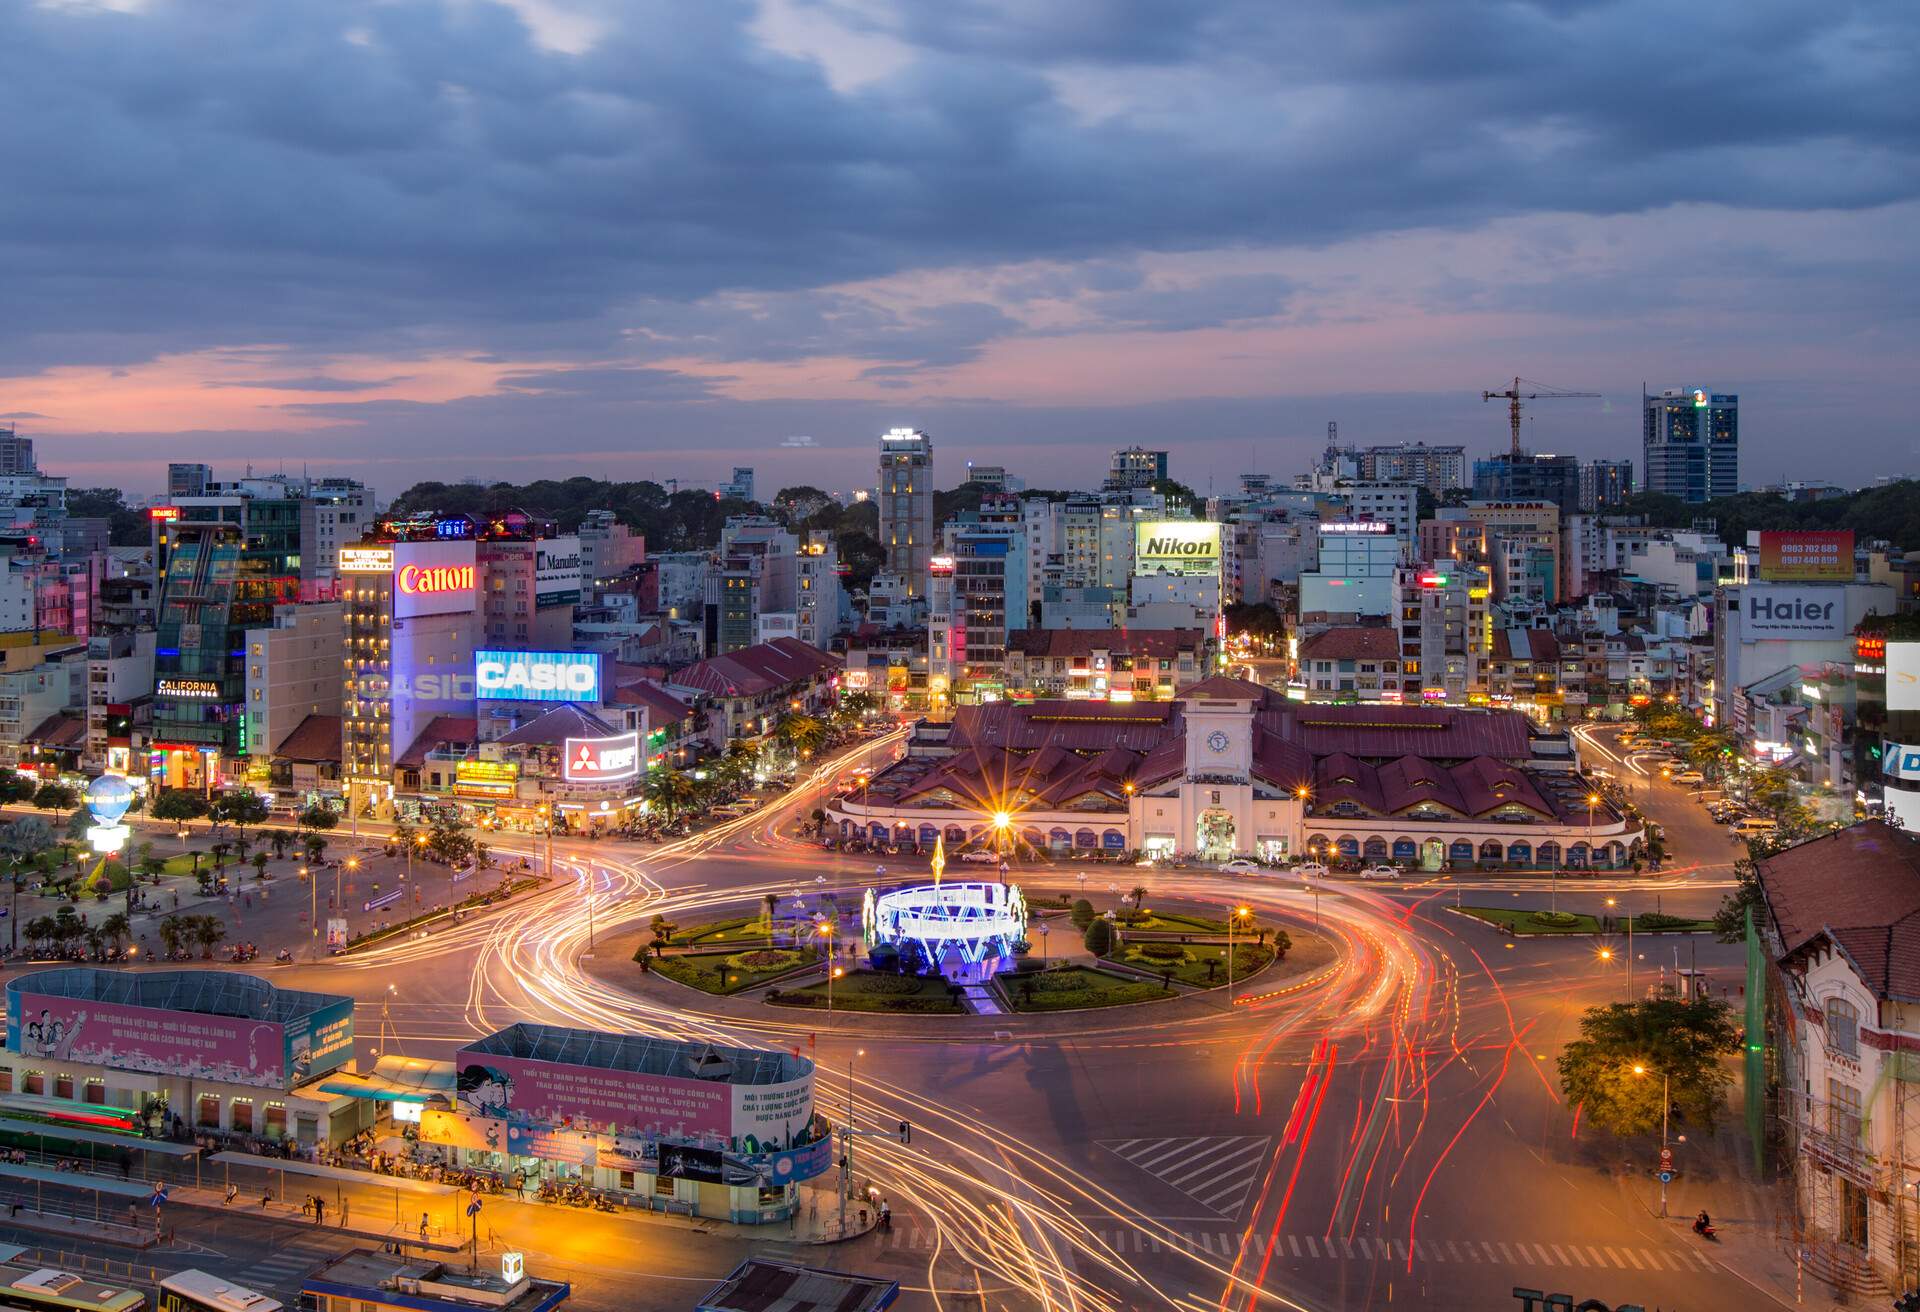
x=1513 y=396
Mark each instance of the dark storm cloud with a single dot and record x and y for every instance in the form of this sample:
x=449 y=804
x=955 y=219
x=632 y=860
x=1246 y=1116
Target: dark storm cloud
x=406 y=177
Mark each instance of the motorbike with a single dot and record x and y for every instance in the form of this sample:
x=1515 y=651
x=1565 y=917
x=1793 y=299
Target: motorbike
x=283 y=956
x=1704 y=1228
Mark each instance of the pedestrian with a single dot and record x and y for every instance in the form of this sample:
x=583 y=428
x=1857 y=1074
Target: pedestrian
x=344 y=1203
x=233 y=1192
x=423 y=1227
x=266 y=1196
x=886 y=1216
x=319 y=1210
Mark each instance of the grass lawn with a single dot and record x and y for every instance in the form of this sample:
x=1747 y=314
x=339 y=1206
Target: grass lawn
x=1523 y=921
x=714 y=932
x=866 y=990
x=1074 y=987
x=1174 y=922
x=1189 y=963
x=728 y=972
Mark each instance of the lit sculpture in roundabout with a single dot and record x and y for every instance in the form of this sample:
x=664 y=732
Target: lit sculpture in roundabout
x=967 y=928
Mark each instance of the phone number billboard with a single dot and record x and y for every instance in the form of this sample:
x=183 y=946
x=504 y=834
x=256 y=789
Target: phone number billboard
x=1806 y=555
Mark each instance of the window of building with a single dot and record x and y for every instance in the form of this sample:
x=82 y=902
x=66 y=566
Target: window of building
x=1843 y=1028
x=94 y=1092
x=663 y=1186
x=1843 y=1110
x=36 y=1082
x=63 y=1086
x=242 y=1122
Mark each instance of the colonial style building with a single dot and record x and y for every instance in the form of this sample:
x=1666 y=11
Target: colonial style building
x=1230 y=769
x=1842 y=925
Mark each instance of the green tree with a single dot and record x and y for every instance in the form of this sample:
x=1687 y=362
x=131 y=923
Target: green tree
x=55 y=796
x=800 y=733
x=1082 y=914
x=1730 y=921
x=1614 y=1070
x=670 y=791
x=207 y=931
x=1099 y=938
x=240 y=807
x=177 y=806
x=316 y=847
x=115 y=930
x=1139 y=895
x=16 y=787
x=260 y=865
x=174 y=934
x=319 y=817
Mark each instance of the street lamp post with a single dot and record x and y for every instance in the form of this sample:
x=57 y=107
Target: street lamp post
x=825 y=930
x=313 y=903
x=846 y=1157
x=1233 y=918
x=1666 y=1104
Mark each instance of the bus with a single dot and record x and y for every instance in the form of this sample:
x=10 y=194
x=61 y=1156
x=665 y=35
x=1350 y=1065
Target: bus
x=196 y=1291
x=72 y=1113
x=44 y=1289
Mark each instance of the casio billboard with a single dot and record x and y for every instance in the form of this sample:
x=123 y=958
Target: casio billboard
x=536 y=676
x=1777 y=612
x=601 y=760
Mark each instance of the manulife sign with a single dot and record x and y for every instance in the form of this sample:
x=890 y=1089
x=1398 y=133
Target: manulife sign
x=1176 y=546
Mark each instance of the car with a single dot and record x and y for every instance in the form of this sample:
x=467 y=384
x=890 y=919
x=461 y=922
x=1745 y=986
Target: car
x=1753 y=826
x=1689 y=777
x=1380 y=872
x=1311 y=870
x=980 y=855
x=1240 y=866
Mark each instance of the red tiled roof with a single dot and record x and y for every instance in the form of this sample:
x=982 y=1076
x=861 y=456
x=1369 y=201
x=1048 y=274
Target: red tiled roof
x=758 y=669
x=460 y=729
x=1224 y=688
x=1162 y=644
x=663 y=707
x=1538 y=645
x=553 y=728
x=1858 y=889
x=59 y=731
x=1076 y=725
x=1390 y=732
x=313 y=741
x=1352 y=642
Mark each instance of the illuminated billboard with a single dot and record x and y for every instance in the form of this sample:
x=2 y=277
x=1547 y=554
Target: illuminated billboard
x=1772 y=612
x=485 y=779
x=366 y=560
x=432 y=578
x=1176 y=546
x=1807 y=555
x=601 y=760
x=556 y=572
x=1903 y=676
x=537 y=676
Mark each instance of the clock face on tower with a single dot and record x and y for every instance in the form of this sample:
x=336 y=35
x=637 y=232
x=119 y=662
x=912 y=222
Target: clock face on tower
x=1217 y=740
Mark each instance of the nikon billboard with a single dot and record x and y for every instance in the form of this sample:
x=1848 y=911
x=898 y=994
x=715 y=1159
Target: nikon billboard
x=1176 y=546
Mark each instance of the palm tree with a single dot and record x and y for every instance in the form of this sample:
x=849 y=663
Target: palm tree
x=280 y=840
x=259 y=864
x=801 y=733
x=1139 y=895
x=207 y=931
x=672 y=791
x=115 y=929
x=174 y=931
x=316 y=848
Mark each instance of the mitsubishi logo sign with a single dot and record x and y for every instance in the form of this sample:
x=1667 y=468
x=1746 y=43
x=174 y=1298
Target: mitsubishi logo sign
x=601 y=760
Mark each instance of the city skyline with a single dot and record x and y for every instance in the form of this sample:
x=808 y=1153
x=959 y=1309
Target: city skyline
x=1035 y=239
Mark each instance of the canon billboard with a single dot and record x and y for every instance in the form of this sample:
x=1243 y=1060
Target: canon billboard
x=1781 y=612
x=432 y=578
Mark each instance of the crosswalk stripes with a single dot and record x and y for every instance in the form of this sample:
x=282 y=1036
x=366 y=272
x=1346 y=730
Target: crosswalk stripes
x=281 y=1264
x=1216 y=1171
x=1225 y=1245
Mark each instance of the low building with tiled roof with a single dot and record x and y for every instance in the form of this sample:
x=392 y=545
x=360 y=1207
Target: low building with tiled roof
x=308 y=757
x=1123 y=664
x=1840 y=920
x=1233 y=769
x=1351 y=662
x=745 y=692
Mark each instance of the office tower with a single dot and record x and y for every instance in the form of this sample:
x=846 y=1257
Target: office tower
x=1134 y=467
x=1692 y=439
x=1605 y=484
x=186 y=480
x=740 y=486
x=1528 y=477
x=16 y=452
x=1436 y=468
x=906 y=505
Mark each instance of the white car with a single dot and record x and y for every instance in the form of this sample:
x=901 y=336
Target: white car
x=981 y=856
x=1689 y=777
x=1311 y=870
x=1241 y=866
x=1380 y=872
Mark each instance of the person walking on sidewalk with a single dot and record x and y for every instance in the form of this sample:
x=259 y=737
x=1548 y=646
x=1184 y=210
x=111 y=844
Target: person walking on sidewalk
x=319 y=1210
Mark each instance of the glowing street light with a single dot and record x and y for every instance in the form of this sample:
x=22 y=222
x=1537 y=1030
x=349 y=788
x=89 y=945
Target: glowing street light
x=1234 y=918
x=1666 y=1102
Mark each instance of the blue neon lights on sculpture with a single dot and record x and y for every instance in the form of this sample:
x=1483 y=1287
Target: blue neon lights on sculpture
x=976 y=921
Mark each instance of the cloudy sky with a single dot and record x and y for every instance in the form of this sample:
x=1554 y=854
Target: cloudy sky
x=440 y=238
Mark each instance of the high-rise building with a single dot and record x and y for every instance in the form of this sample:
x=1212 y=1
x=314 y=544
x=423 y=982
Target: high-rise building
x=906 y=505
x=1692 y=444
x=740 y=486
x=223 y=564
x=187 y=480
x=1436 y=468
x=1605 y=484
x=1441 y=611
x=1528 y=477
x=1134 y=467
x=16 y=452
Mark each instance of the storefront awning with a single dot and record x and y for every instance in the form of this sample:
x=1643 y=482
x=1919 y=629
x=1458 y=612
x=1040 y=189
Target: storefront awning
x=395 y=1079
x=402 y=1183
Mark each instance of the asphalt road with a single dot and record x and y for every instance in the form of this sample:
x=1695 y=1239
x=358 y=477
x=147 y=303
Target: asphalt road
x=1389 y=1132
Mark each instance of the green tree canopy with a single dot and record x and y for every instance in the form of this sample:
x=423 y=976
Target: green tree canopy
x=1614 y=1070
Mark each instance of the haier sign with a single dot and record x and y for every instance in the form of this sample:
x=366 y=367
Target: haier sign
x=1772 y=612
x=536 y=676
